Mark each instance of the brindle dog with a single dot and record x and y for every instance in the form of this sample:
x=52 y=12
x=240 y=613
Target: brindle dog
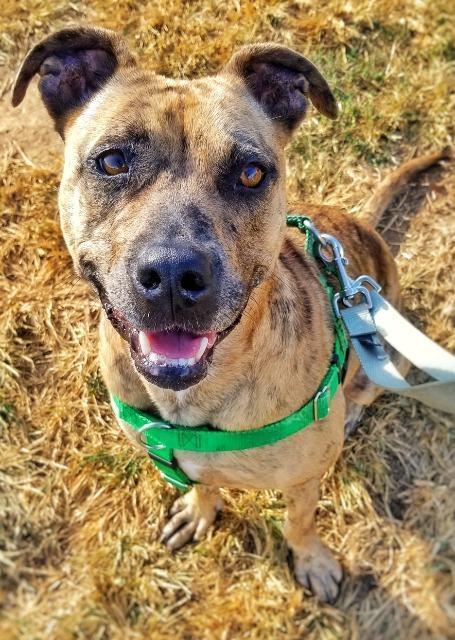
x=173 y=207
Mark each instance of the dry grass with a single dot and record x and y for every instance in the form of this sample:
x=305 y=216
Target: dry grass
x=79 y=513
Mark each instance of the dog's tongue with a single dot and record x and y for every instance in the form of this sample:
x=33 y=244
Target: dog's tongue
x=176 y=344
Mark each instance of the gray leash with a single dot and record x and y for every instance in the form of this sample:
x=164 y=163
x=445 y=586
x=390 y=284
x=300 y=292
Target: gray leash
x=372 y=316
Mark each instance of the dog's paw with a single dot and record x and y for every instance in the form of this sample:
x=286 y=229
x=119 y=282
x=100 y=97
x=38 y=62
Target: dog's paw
x=191 y=516
x=316 y=569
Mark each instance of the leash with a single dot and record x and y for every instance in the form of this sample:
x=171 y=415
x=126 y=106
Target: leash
x=357 y=322
x=372 y=315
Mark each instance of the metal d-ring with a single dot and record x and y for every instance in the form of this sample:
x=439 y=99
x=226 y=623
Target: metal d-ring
x=146 y=427
x=312 y=229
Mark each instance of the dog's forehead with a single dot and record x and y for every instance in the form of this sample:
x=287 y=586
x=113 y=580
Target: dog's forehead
x=209 y=112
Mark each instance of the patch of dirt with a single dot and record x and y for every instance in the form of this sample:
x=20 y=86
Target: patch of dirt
x=27 y=131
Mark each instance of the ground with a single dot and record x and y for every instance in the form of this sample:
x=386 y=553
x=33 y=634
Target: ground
x=79 y=511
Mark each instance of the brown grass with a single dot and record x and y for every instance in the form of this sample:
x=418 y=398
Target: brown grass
x=79 y=513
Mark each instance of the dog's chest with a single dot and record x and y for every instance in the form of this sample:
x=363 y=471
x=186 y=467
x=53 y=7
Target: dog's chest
x=291 y=461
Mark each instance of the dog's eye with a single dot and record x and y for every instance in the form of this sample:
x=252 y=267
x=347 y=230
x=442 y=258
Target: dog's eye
x=251 y=176
x=112 y=163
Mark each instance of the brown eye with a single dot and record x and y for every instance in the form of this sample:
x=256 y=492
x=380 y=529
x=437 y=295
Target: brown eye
x=112 y=163
x=252 y=176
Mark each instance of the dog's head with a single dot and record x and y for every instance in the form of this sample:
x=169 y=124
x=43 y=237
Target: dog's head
x=172 y=198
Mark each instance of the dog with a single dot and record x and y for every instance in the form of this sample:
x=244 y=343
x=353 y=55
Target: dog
x=173 y=207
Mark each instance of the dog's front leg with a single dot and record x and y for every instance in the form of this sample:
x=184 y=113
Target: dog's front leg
x=191 y=516
x=314 y=565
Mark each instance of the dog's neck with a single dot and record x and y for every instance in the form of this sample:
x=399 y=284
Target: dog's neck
x=272 y=362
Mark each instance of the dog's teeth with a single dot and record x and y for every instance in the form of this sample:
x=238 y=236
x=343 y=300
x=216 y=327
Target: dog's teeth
x=160 y=360
x=144 y=343
x=202 y=348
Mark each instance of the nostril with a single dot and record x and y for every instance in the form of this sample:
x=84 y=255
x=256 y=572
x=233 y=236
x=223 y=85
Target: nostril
x=192 y=282
x=149 y=279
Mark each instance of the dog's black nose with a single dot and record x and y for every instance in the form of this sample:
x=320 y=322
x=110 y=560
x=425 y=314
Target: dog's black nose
x=176 y=275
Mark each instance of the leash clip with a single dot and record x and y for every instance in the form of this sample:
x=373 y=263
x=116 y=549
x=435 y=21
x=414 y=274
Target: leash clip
x=349 y=287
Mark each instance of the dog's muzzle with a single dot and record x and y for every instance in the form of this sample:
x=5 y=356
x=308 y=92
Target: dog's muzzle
x=173 y=311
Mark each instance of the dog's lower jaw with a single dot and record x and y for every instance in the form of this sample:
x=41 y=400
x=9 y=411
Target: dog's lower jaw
x=163 y=365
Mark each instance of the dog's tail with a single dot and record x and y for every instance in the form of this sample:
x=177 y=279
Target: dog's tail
x=395 y=181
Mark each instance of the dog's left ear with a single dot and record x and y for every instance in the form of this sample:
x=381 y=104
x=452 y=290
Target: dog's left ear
x=74 y=64
x=281 y=79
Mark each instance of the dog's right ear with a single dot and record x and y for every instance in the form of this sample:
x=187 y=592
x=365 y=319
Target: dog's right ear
x=281 y=80
x=73 y=64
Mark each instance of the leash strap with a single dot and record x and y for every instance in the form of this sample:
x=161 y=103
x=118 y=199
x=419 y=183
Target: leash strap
x=404 y=337
x=364 y=323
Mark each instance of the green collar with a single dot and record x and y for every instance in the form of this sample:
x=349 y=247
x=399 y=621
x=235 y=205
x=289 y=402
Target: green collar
x=160 y=438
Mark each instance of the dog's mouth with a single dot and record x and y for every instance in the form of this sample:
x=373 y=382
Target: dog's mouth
x=173 y=358
x=179 y=349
